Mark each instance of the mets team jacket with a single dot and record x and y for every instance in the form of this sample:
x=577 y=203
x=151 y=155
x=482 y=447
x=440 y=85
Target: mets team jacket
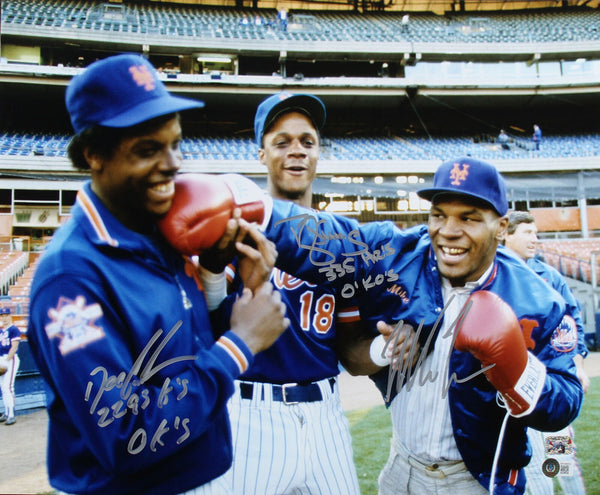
x=557 y=282
x=136 y=384
x=393 y=275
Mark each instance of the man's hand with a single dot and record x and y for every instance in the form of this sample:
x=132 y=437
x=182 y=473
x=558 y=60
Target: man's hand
x=259 y=318
x=361 y=356
x=400 y=345
x=256 y=261
x=3 y=365
x=222 y=253
x=581 y=374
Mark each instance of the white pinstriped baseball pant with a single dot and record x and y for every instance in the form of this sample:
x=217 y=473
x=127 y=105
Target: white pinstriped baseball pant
x=303 y=448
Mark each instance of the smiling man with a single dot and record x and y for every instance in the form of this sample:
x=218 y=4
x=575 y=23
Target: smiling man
x=281 y=443
x=119 y=325
x=447 y=417
x=287 y=128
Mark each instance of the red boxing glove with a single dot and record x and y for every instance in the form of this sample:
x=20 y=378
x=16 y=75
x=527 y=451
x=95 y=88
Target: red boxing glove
x=489 y=329
x=202 y=206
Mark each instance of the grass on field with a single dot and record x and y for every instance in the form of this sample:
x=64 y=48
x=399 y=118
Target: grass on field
x=372 y=430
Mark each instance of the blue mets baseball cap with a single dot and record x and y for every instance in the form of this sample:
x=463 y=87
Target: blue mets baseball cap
x=470 y=177
x=120 y=91
x=4 y=311
x=275 y=105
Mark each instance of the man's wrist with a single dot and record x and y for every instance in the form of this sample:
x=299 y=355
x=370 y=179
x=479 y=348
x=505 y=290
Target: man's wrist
x=215 y=287
x=376 y=351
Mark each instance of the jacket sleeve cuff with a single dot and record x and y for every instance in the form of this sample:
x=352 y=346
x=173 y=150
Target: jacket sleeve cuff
x=239 y=356
x=215 y=287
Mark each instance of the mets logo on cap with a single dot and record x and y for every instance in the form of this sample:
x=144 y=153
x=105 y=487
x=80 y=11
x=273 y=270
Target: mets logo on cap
x=459 y=173
x=469 y=176
x=143 y=77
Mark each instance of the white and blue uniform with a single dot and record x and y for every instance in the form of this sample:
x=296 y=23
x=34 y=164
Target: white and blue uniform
x=137 y=387
x=290 y=434
x=7 y=381
x=537 y=482
x=393 y=275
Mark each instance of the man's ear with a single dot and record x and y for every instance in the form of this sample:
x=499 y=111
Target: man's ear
x=502 y=229
x=94 y=160
x=261 y=155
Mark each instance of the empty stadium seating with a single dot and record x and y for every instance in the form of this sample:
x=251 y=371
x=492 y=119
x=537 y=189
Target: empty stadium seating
x=203 y=22
x=335 y=148
x=573 y=257
x=33 y=144
x=12 y=266
x=18 y=269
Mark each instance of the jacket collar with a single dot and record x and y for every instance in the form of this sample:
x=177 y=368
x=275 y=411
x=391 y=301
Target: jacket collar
x=101 y=226
x=483 y=283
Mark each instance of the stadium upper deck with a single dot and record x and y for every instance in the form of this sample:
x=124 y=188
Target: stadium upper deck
x=516 y=56
x=193 y=28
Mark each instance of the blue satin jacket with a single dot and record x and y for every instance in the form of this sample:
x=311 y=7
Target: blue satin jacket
x=137 y=387
x=393 y=275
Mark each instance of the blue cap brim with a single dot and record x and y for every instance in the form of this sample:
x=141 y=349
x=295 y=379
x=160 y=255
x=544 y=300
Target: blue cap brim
x=431 y=193
x=151 y=109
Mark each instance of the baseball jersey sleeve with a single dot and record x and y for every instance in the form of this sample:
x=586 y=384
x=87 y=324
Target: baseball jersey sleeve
x=553 y=277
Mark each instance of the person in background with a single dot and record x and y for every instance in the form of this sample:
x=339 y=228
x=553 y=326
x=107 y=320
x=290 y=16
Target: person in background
x=290 y=434
x=405 y=23
x=521 y=238
x=282 y=17
x=537 y=136
x=10 y=337
x=503 y=140
x=137 y=385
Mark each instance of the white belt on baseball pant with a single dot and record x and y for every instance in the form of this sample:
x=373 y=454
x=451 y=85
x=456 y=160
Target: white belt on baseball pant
x=438 y=469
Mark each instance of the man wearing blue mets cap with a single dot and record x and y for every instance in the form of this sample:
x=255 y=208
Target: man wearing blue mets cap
x=279 y=404
x=137 y=386
x=278 y=104
x=495 y=353
x=472 y=178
